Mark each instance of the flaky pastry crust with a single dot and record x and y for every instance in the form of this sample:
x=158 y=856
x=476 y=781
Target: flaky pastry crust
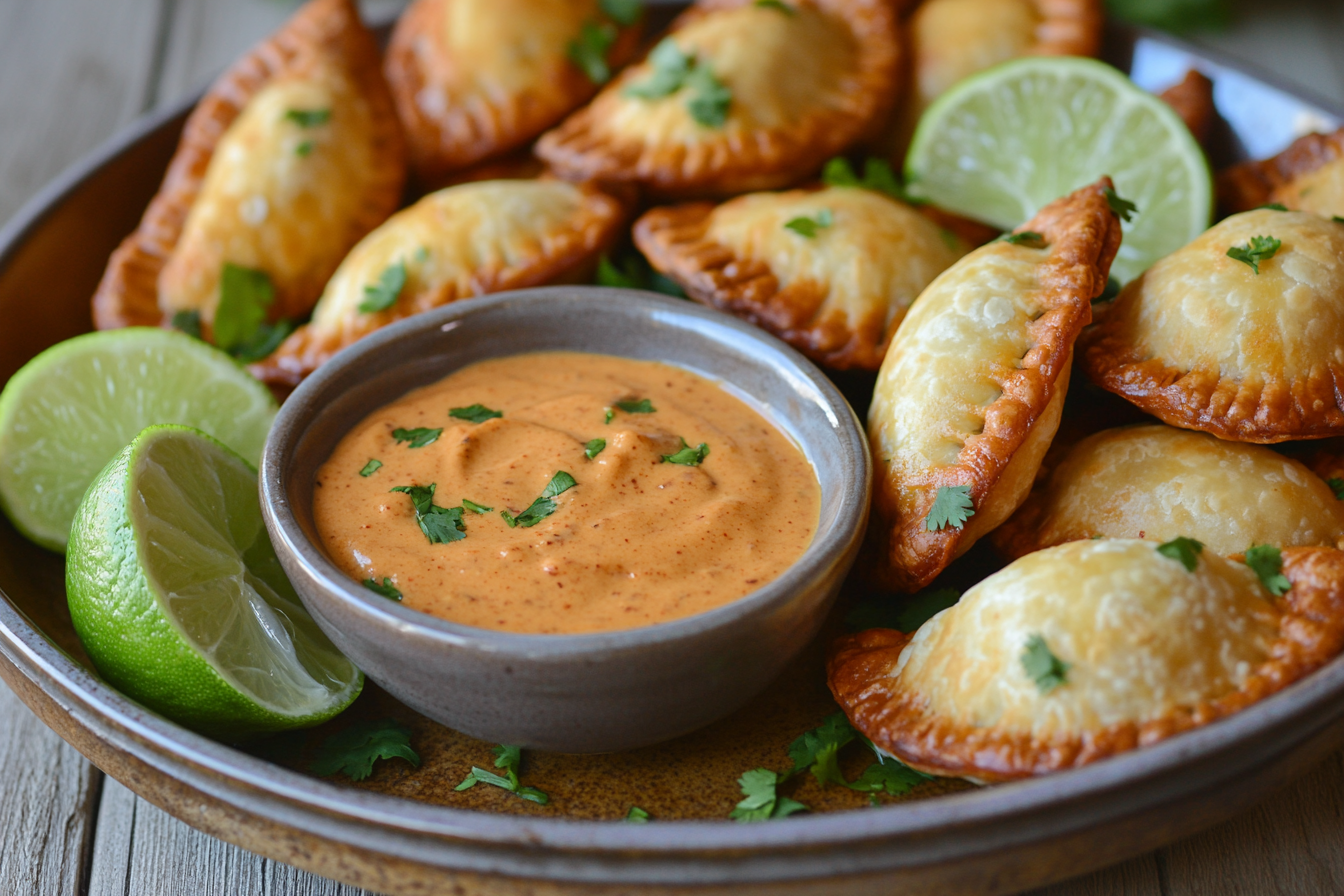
x=838 y=296
x=805 y=84
x=463 y=241
x=475 y=79
x=172 y=261
x=973 y=384
x=1201 y=341
x=1307 y=176
x=1136 y=676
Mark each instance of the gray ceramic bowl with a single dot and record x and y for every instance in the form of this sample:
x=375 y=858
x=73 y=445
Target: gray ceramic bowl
x=586 y=692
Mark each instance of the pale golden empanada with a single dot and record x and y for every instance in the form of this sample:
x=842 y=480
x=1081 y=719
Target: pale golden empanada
x=802 y=82
x=971 y=390
x=837 y=295
x=1201 y=341
x=290 y=157
x=1151 y=648
x=1307 y=176
x=462 y=241
x=475 y=79
x=1157 y=483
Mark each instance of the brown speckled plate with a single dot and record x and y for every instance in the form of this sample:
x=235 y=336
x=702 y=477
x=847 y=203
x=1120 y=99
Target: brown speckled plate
x=406 y=830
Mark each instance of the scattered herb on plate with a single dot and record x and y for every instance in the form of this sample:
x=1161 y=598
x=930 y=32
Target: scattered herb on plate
x=373 y=466
x=510 y=759
x=357 y=748
x=637 y=815
x=818 y=750
x=760 y=800
x=542 y=507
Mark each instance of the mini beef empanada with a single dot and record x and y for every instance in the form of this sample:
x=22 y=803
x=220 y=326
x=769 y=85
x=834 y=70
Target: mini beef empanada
x=741 y=96
x=971 y=390
x=830 y=271
x=1157 y=483
x=462 y=241
x=290 y=157
x=475 y=79
x=1085 y=650
x=1307 y=176
x=1203 y=341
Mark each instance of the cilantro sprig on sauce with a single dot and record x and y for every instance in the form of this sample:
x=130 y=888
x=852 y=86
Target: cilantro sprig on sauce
x=418 y=437
x=542 y=507
x=386 y=589
x=441 y=525
x=686 y=455
x=476 y=413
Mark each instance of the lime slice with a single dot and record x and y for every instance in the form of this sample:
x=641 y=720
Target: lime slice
x=1002 y=144
x=178 y=597
x=73 y=407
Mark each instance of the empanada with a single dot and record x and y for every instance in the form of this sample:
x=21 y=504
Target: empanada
x=475 y=79
x=830 y=271
x=1192 y=99
x=290 y=157
x=462 y=241
x=1081 y=651
x=1203 y=341
x=1157 y=482
x=741 y=96
x=971 y=390
x=1307 y=176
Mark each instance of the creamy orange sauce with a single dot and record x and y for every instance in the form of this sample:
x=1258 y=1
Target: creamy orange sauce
x=636 y=541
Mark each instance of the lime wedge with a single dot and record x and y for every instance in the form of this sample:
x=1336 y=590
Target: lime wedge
x=73 y=407
x=178 y=597
x=1002 y=144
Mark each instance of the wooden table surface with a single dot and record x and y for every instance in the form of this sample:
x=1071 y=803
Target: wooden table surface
x=73 y=72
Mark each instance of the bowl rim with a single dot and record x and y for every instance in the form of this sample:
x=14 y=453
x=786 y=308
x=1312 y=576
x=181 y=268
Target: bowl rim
x=300 y=411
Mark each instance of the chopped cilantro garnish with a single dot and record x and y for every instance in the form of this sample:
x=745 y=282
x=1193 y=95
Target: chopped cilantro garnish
x=1123 y=208
x=383 y=295
x=636 y=406
x=710 y=97
x=305 y=148
x=308 y=118
x=560 y=483
x=777 y=6
x=588 y=51
x=387 y=589
x=808 y=227
x=542 y=507
x=188 y=322
x=1185 y=550
x=1260 y=248
x=355 y=749
x=902 y=615
x=1337 y=486
x=1179 y=16
x=607 y=418
x=1029 y=238
x=265 y=340
x=672 y=70
x=761 y=802
x=1337 y=219
x=476 y=413
x=1267 y=563
x=474 y=507
x=441 y=525
x=244 y=296
x=637 y=815
x=1273 y=207
x=687 y=456
x=418 y=437
x=373 y=466
x=1042 y=666
x=877 y=175
x=890 y=776
x=818 y=750
x=610 y=275
x=1109 y=293
x=594 y=448
x=634 y=272
x=624 y=12
x=508 y=758
x=952 y=507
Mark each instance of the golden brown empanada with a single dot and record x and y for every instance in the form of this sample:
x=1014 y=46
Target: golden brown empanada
x=1157 y=482
x=290 y=157
x=462 y=241
x=1192 y=99
x=1148 y=650
x=475 y=79
x=971 y=390
x=830 y=271
x=1307 y=176
x=741 y=96
x=1202 y=341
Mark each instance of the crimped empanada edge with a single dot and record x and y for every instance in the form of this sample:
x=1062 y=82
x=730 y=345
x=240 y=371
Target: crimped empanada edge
x=1250 y=185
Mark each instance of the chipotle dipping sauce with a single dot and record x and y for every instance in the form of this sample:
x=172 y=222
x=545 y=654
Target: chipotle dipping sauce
x=571 y=493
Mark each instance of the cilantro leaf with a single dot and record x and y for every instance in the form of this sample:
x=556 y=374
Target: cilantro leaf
x=1273 y=207
x=890 y=776
x=588 y=51
x=610 y=413
x=777 y=6
x=952 y=507
x=837 y=172
x=640 y=406
x=440 y=525
x=877 y=176
x=819 y=749
x=265 y=340
x=1123 y=208
x=1185 y=550
x=1179 y=16
x=476 y=413
x=542 y=507
x=1337 y=219
x=304 y=149
x=418 y=437
x=384 y=294
x=710 y=97
x=1267 y=563
x=188 y=322
x=808 y=227
x=623 y=12
x=760 y=801
x=474 y=507
x=594 y=448
x=902 y=615
x=610 y=275
x=1260 y=248
x=1042 y=666
x=560 y=483
x=687 y=456
x=244 y=296
x=1109 y=293
x=373 y=466
x=509 y=758
x=670 y=68
x=634 y=272
x=355 y=749
x=308 y=118
x=1029 y=238
x=387 y=589
x=637 y=815
x=1337 y=486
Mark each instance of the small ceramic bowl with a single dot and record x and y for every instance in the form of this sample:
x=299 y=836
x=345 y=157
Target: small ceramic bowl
x=584 y=692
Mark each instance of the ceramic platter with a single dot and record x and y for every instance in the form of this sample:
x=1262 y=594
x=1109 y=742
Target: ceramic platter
x=405 y=830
